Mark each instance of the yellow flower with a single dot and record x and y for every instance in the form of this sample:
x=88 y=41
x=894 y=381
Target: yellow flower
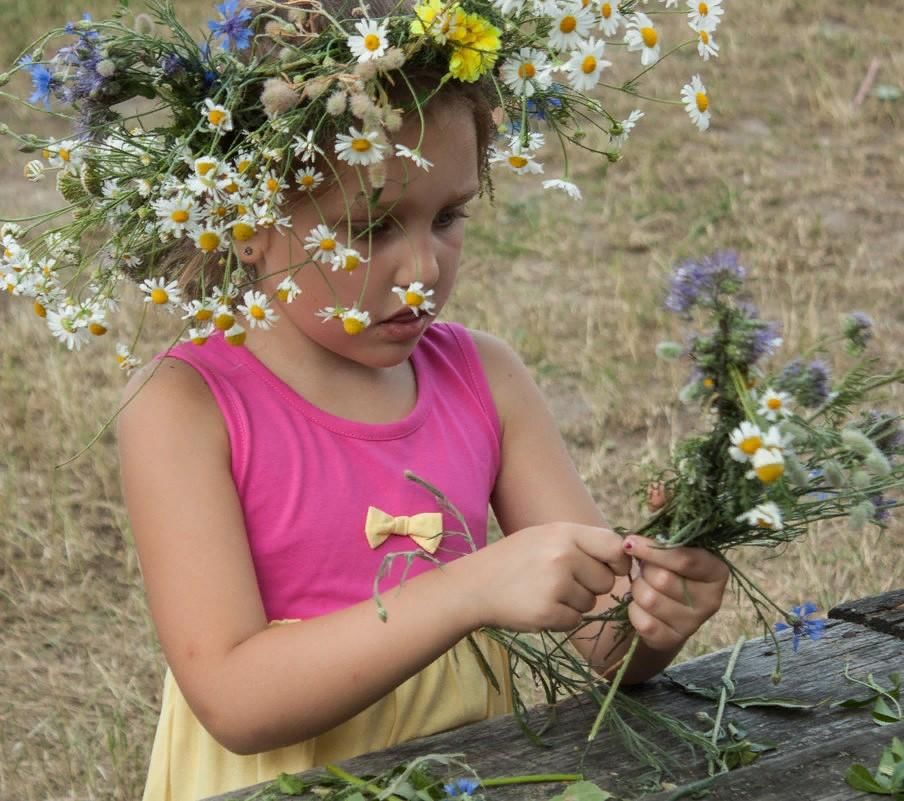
x=477 y=51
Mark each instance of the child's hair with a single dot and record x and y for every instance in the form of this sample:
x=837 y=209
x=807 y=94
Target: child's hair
x=196 y=270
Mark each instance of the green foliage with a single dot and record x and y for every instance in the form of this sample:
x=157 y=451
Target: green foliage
x=887 y=779
x=884 y=702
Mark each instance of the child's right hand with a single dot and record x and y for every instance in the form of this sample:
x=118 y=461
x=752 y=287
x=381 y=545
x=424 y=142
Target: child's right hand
x=545 y=576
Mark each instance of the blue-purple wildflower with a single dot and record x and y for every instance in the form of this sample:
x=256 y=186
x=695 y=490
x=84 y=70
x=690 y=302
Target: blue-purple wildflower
x=857 y=329
x=43 y=81
x=700 y=282
x=460 y=788
x=797 y=621
x=881 y=505
x=233 y=25
x=885 y=430
x=810 y=384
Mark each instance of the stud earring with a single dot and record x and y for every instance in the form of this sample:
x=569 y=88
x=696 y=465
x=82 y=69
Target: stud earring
x=249 y=251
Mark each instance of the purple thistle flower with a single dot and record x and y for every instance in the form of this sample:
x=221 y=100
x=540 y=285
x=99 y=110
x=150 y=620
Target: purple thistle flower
x=810 y=384
x=460 y=788
x=42 y=79
x=857 y=329
x=171 y=65
x=763 y=340
x=885 y=431
x=800 y=626
x=699 y=282
x=232 y=26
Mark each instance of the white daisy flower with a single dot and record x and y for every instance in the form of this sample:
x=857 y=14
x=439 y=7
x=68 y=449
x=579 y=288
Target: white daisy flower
x=706 y=45
x=224 y=294
x=65 y=154
x=347 y=259
x=610 y=18
x=517 y=158
x=321 y=243
x=331 y=313
x=308 y=179
x=209 y=238
x=704 y=16
x=570 y=189
x=287 y=290
x=68 y=325
x=527 y=71
x=570 y=25
x=219 y=118
x=243 y=162
x=34 y=170
x=125 y=358
x=272 y=187
x=535 y=140
x=204 y=166
x=774 y=405
x=354 y=321
x=223 y=317
x=746 y=440
x=415 y=155
x=696 y=102
x=160 y=292
x=775 y=440
x=619 y=133
x=176 y=215
x=768 y=465
x=257 y=311
x=641 y=35
x=200 y=310
x=233 y=185
x=416 y=298
x=235 y=335
x=201 y=334
x=242 y=229
x=586 y=64
x=144 y=187
x=265 y=216
x=372 y=41
x=358 y=147
x=764 y=515
x=304 y=147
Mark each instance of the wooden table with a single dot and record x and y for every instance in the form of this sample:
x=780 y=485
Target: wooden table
x=813 y=748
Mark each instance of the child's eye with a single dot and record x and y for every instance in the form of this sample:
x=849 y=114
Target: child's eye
x=446 y=218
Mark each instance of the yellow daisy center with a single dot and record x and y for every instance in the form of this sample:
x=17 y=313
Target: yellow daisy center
x=179 y=216
x=224 y=321
x=588 y=65
x=201 y=315
x=526 y=71
x=770 y=472
x=209 y=241
x=763 y=522
x=204 y=167
x=702 y=105
x=231 y=187
x=40 y=310
x=774 y=403
x=257 y=312
x=216 y=116
x=708 y=382
x=242 y=231
x=282 y=294
x=243 y=165
x=307 y=181
x=97 y=329
x=199 y=340
x=236 y=339
x=606 y=10
x=361 y=144
x=568 y=24
x=159 y=296
x=64 y=154
x=352 y=325
x=413 y=298
x=220 y=211
x=703 y=9
x=272 y=184
x=517 y=162
x=750 y=445
x=704 y=37
x=351 y=262
x=649 y=36
x=327 y=244
x=372 y=42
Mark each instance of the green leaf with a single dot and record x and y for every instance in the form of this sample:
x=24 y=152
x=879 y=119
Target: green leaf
x=784 y=703
x=289 y=785
x=859 y=777
x=883 y=714
x=887 y=91
x=583 y=791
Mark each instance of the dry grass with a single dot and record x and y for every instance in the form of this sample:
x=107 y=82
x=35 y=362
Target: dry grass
x=806 y=187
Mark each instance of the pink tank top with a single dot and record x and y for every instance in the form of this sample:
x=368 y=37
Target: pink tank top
x=306 y=478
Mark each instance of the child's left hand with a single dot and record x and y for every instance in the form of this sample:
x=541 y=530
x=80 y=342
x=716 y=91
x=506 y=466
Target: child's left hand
x=677 y=590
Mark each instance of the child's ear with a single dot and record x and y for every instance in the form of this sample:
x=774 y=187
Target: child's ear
x=251 y=250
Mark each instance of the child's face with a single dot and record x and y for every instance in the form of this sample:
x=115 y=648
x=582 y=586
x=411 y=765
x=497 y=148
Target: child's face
x=420 y=240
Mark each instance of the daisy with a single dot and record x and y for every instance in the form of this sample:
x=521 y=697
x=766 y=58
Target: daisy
x=304 y=147
x=233 y=185
x=257 y=310
x=641 y=35
x=775 y=440
x=768 y=465
x=527 y=71
x=34 y=170
x=371 y=42
x=200 y=311
x=223 y=318
x=746 y=440
x=272 y=187
x=586 y=64
x=774 y=405
x=235 y=335
x=205 y=166
x=415 y=155
x=415 y=298
x=706 y=45
x=308 y=179
x=696 y=102
x=570 y=25
x=354 y=321
x=358 y=147
x=535 y=140
x=763 y=515
x=567 y=187
x=69 y=326
x=518 y=159
x=347 y=259
x=64 y=154
x=331 y=313
x=704 y=16
x=287 y=290
x=209 y=238
x=200 y=335
x=610 y=18
x=177 y=214
x=242 y=229
x=125 y=358
x=161 y=293
x=321 y=243
x=219 y=118
x=620 y=132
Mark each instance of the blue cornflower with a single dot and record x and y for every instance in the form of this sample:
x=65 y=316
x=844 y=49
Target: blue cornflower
x=232 y=26
x=460 y=788
x=800 y=626
x=42 y=81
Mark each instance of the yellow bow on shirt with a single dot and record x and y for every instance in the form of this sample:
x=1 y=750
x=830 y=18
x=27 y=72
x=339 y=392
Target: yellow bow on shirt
x=426 y=529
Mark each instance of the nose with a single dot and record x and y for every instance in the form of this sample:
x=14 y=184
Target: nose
x=417 y=258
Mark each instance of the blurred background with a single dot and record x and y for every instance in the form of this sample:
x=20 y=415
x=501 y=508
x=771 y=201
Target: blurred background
x=802 y=173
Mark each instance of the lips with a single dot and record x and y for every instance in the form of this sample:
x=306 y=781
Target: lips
x=403 y=316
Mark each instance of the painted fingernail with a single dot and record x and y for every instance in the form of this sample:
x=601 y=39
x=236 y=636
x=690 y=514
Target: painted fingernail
x=629 y=544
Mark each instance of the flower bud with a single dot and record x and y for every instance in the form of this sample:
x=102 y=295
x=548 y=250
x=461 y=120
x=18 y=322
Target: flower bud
x=861 y=479
x=877 y=464
x=4 y=78
x=860 y=515
x=669 y=351
x=834 y=474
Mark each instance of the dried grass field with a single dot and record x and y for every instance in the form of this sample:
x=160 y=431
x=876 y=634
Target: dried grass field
x=805 y=184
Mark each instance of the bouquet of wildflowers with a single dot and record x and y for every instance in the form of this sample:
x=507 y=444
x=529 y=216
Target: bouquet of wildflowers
x=182 y=148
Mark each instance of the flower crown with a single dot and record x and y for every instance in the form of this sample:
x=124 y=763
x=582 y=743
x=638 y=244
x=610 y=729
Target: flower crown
x=274 y=96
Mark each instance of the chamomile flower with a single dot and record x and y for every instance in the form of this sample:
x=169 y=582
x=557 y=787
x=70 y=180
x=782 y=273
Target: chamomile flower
x=745 y=440
x=34 y=170
x=372 y=41
x=619 y=133
x=331 y=313
x=200 y=310
x=205 y=166
x=287 y=290
x=160 y=292
x=272 y=187
x=570 y=25
x=347 y=259
x=527 y=71
x=774 y=405
x=354 y=321
x=415 y=155
x=704 y=16
x=775 y=440
x=641 y=35
x=69 y=325
x=321 y=243
x=201 y=334
x=257 y=311
x=242 y=229
x=359 y=148
x=65 y=154
x=223 y=317
x=518 y=159
x=209 y=238
x=586 y=64
x=416 y=298
x=125 y=358
x=234 y=186
x=696 y=102
x=235 y=335
x=176 y=215
x=768 y=465
x=763 y=515
x=308 y=179
x=706 y=45
x=567 y=187
x=305 y=147
x=218 y=117
x=610 y=18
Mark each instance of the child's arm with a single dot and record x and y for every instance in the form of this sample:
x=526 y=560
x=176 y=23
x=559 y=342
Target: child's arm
x=257 y=688
x=678 y=590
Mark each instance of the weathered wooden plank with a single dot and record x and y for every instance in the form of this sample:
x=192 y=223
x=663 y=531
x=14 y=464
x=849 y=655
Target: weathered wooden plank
x=498 y=747
x=880 y=612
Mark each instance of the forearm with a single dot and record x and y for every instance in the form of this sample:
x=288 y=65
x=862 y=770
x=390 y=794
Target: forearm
x=610 y=647
x=289 y=683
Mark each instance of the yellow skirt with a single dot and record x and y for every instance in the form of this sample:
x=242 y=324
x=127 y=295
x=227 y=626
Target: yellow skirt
x=187 y=764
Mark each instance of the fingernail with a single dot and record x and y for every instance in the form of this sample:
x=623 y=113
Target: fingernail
x=629 y=545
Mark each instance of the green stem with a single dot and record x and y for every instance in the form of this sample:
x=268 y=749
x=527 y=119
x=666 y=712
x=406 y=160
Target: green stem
x=613 y=688
x=532 y=778
x=357 y=781
x=723 y=695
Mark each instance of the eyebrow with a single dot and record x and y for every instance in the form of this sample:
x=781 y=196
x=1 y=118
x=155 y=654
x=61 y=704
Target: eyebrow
x=382 y=208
